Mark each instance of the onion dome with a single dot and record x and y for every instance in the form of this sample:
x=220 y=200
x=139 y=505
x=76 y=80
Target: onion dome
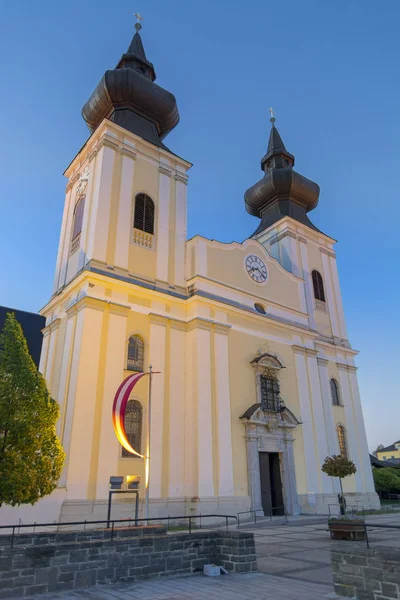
x=128 y=96
x=281 y=192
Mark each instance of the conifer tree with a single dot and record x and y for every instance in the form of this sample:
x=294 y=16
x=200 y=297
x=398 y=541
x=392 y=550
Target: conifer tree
x=31 y=455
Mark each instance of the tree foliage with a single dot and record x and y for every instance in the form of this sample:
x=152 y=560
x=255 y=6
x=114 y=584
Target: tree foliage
x=338 y=466
x=386 y=480
x=31 y=455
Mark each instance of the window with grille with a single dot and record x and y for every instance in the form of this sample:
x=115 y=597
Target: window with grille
x=77 y=223
x=135 y=353
x=342 y=440
x=318 y=284
x=270 y=394
x=335 y=392
x=144 y=213
x=133 y=427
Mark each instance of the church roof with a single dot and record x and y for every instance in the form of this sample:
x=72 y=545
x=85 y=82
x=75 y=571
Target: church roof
x=128 y=96
x=282 y=191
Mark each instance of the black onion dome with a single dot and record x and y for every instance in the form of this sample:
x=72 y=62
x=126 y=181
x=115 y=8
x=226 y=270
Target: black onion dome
x=281 y=192
x=128 y=96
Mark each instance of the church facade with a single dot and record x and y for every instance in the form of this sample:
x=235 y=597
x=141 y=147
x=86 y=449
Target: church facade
x=257 y=382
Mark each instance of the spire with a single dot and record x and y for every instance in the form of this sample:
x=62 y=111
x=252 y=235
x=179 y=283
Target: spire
x=281 y=192
x=128 y=96
x=277 y=156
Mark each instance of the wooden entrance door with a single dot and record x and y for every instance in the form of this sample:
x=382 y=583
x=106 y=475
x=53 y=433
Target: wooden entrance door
x=271 y=484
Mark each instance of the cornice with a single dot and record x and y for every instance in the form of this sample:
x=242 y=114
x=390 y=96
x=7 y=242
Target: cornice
x=304 y=350
x=327 y=252
x=128 y=152
x=322 y=361
x=221 y=328
x=164 y=170
x=345 y=367
x=182 y=178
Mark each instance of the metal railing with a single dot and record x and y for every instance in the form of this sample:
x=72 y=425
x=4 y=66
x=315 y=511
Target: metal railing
x=261 y=510
x=130 y=522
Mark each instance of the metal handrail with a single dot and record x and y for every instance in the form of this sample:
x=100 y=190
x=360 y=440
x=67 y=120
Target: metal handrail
x=113 y=521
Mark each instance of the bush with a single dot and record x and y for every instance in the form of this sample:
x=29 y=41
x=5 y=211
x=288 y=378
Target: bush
x=387 y=480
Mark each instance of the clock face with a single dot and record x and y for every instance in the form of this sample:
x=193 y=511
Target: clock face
x=256 y=269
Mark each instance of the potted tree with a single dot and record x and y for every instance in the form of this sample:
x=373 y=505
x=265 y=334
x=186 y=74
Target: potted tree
x=343 y=527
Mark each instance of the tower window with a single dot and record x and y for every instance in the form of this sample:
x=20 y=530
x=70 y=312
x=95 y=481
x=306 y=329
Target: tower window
x=144 y=213
x=318 y=284
x=341 y=432
x=335 y=392
x=77 y=223
x=135 y=354
x=133 y=427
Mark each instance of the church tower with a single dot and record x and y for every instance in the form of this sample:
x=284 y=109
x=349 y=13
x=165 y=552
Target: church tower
x=122 y=248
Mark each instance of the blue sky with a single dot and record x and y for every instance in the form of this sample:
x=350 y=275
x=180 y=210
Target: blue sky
x=329 y=69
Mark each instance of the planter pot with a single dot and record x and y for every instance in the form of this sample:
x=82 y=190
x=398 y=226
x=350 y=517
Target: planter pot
x=347 y=529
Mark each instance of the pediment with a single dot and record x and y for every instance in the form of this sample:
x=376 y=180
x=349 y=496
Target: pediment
x=255 y=414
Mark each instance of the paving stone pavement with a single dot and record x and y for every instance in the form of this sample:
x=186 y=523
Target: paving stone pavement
x=249 y=586
x=293 y=564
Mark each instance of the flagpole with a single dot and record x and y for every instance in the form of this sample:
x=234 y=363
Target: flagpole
x=146 y=511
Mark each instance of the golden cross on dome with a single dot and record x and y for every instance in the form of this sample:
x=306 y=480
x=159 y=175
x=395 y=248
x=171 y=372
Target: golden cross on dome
x=139 y=17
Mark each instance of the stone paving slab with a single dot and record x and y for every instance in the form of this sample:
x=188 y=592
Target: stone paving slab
x=252 y=586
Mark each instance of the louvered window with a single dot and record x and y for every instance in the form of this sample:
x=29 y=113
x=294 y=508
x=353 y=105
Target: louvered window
x=335 y=392
x=135 y=354
x=133 y=426
x=270 y=394
x=144 y=213
x=341 y=432
x=318 y=284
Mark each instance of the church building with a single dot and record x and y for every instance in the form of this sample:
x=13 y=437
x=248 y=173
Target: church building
x=257 y=383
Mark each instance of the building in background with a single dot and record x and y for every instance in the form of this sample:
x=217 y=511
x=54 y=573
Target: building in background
x=257 y=380
x=32 y=325
x=390 y=453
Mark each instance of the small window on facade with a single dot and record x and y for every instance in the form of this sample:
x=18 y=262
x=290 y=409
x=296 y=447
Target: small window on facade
x=318 y=284
x=77 y=223
x=144 y=213
x=270 y=394
x=259 y=308
x=335 y=392
x=135 y=353
x=133 y=427
x=342 y=440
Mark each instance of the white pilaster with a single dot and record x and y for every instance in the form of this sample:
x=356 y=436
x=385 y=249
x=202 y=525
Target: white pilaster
x=180 y=231
x=109 y=448
x=82 y=399
x=48 y=374
x=86 y=214
x=202 y=382
x=330 y=297
x=61 y=245
x=44 y=351
x=100 y=206
x=177 y=411
x=310 y=457
x=361 y=434
x=200 y=267
x=157 y=360
x=338 y=297
x=307 y=282
x=164 y=201
x=320 y=430
x=350 y=425
x=124 y=219
x=66 y=411
x=223 y=406
x=65 y=239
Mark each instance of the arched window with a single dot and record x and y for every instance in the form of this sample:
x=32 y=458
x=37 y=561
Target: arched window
x=133 y=426
x=144 y=213
x=259 y=308
x=135 y=353
x=341 y=432
x=319 y=293
x=77 y=223
x=335 y=392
